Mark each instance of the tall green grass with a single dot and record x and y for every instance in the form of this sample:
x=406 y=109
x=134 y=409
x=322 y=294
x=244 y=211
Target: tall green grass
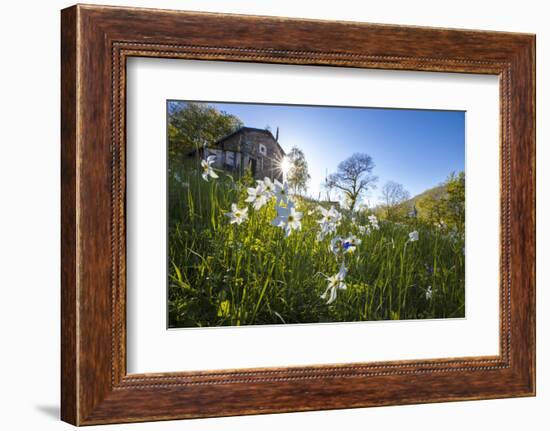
x=250 y=274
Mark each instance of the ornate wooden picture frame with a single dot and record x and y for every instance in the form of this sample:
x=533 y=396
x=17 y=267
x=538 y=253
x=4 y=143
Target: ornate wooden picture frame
x=96 y=41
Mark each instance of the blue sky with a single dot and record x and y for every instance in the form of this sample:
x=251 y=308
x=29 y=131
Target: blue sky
x=417 y=148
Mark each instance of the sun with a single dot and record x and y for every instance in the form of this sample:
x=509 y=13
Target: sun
x=284 y=165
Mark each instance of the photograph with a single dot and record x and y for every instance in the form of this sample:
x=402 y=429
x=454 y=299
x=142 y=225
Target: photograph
x=294 y=214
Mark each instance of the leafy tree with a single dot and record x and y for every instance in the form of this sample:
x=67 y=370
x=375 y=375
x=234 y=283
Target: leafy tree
x=393 y=196
x=353 y=177
x=192 y=125
x=298 y=174
x=446 y=209
x=455 y=200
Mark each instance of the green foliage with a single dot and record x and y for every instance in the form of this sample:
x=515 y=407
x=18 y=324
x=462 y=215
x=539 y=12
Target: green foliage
x=227 y=274
x=191 y=125
x=445 y=207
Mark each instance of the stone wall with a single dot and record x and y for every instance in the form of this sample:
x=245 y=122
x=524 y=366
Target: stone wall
x=254 y=149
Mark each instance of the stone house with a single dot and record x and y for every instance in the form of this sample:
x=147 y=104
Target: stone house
x=248 y=148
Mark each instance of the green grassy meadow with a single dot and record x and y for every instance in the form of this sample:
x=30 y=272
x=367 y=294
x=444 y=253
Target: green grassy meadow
x=223 y=274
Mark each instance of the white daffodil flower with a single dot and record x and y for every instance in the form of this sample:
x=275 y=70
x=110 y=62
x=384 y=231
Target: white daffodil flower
x=413 y=236
x=350 y=243
x=269 y=187
x=429 y=293
x=326 y=229
x=373 y=222
x=336 y=245
x=335 y=282
x=256 y=196
x=207 y=170
x=326 y=218
x=281 y=192
x=237 y=215
x=364 y=230
x=288 y=219
x=330 y=220
x=330 y=216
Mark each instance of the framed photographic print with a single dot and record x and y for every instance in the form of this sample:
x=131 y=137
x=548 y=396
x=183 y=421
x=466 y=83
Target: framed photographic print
x=267 y=215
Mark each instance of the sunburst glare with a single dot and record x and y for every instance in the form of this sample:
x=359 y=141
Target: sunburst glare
x=285 y=165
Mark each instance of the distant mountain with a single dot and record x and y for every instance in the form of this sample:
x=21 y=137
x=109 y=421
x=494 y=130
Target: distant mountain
x=437 y=192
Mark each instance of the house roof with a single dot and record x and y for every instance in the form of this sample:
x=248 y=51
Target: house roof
x=245 y=129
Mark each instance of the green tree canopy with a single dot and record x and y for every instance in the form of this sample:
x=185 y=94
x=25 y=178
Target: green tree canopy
x=192 y=125
x=446 y=205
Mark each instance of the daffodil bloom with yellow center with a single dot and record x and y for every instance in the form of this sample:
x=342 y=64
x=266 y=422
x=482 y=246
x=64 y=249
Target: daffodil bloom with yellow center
x=207 y=170
x=268 y=187
x=335 y=283
x=281 y=192
x=328 y=223
x=237 y=215
x=288 y=218
x=256 y=196
x=329 y=216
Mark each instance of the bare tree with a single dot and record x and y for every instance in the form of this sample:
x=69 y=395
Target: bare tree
x=393 y=195
x=353 y=177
